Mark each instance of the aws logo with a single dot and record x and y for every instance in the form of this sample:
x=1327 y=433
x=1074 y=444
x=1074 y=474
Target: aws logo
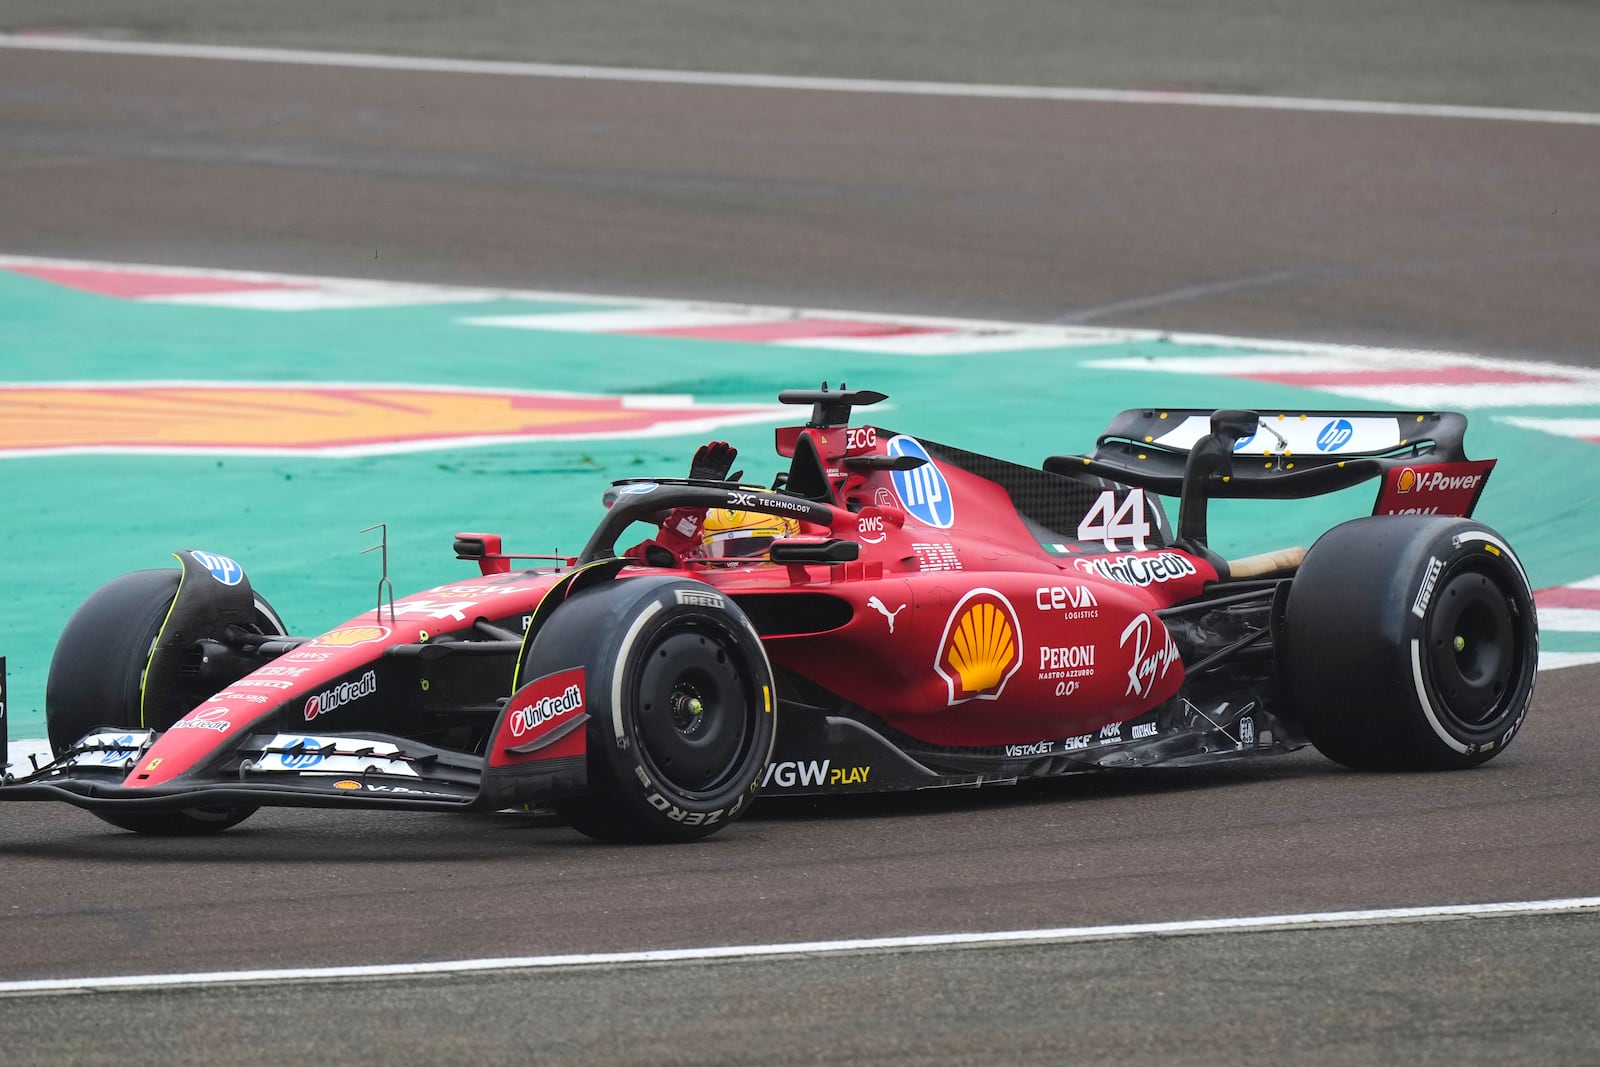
x=311 y=418
x=981 y=648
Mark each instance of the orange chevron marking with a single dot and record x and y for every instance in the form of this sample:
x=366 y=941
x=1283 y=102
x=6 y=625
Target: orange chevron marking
x=311 y=418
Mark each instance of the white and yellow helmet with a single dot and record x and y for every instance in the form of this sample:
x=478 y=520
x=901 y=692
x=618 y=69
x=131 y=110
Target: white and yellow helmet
x=729 y=534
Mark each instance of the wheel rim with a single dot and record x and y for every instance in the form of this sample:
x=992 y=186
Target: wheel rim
x=693 y=701
x=1475 y=651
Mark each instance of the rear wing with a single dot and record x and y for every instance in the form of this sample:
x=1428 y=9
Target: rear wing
x=1199 y=453
x=1274 y=455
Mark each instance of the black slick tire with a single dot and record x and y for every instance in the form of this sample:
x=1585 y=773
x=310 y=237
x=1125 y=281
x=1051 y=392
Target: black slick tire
x=1410 y=643
x=682 y=708
x=95 y=678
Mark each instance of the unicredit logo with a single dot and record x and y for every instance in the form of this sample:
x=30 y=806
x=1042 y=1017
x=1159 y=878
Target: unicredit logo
x=339 y=695
x=544 y=709
x=1137 y=570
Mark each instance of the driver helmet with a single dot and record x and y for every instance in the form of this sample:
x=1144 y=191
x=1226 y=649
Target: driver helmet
x=729 y=534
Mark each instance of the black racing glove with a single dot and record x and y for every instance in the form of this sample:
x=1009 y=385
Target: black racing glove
x=713 y=461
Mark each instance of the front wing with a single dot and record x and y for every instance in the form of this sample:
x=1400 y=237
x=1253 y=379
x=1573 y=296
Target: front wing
x=816 y=754
x=838 y=750
x=293 y=770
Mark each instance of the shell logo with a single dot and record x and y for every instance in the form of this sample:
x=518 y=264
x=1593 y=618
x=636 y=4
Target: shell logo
x=1407 y=480
x=981 y=648
x=327 y=419
x=346 y=636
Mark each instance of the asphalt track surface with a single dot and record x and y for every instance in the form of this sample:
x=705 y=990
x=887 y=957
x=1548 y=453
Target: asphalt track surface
x=1399 y=230
x=1430 y=233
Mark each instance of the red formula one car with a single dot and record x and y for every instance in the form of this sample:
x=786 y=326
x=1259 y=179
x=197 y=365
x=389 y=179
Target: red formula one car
x=917 y=616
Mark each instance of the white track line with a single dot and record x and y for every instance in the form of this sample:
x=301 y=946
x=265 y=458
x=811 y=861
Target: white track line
x=329 y=298
x=1555 y=661
x=955 y=343
x=1570 y=620
x=1585 y=428
x=1334 y=359
x=1319 y=353
x=623 y=320
x=426 y=64
x=1071 y=335
x=1056 y=935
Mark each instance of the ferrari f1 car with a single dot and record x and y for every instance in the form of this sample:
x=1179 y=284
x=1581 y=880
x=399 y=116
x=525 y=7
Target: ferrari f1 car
x=917 y=616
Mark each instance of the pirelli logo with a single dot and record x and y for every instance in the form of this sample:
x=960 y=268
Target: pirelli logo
x=1419 y=607
x=702 y=598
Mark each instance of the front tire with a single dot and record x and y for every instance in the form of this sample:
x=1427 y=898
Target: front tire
x=96 y=676
x=1411 y=643
x=683 y=707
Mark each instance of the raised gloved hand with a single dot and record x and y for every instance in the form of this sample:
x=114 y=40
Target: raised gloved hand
x=713 y=461
x=680 y=529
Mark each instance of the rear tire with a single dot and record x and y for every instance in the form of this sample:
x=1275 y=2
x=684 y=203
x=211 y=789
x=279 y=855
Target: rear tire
x=95 y=678
x=682 y=707
x=1410 y=643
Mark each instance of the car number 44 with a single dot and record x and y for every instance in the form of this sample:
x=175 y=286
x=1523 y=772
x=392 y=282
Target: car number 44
x=1109 y=522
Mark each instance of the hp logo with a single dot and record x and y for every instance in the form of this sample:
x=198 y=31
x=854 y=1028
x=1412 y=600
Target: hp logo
x=922 y=490
x=222 y=568
x=300 y=755
x=1335 y=435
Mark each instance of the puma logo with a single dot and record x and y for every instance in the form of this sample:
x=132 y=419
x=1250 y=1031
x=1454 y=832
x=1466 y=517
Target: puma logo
x=877 y=605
